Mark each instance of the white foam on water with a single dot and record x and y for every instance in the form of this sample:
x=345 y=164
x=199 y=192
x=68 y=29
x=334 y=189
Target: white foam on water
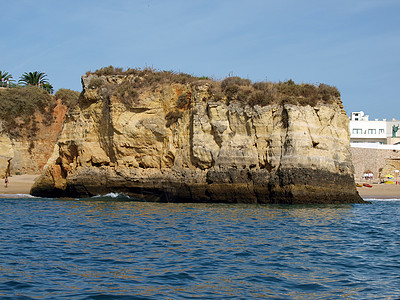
x=111 y=195
x=380 y=199
x=16 y=196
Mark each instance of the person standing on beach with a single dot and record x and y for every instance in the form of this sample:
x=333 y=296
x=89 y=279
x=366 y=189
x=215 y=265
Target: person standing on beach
x=6 y=181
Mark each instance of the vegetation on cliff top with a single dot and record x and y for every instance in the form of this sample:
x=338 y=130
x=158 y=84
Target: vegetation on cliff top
x=229 y=89
x=68 y=97
x=149 y=75
x=28 y=78
x=36 y=79
x=18 y=107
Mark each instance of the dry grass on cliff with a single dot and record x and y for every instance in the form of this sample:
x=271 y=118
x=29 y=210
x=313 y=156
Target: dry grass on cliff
x=230 y=89
x=265 y=93
x=68 y=97
x=149 y=76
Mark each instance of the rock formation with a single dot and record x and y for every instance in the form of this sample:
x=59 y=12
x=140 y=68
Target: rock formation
x=181 y=142
x=27 y=154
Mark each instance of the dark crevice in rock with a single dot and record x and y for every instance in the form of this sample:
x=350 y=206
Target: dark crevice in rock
x=216 y=136
x=285 y=118
x=106 y=136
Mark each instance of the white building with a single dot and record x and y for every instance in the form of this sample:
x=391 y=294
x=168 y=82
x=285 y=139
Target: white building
x=377 y=132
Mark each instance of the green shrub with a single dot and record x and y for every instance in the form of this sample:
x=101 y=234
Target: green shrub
x=289 y=88
x=18 y=106
x=309 y=90
x=243 y=95
x=182 y=101
x=231 y=91
x=95 y=83
x=327 y=90
x=68 y=97
x=261 y=98
x=218 y=95
x=290 y=100
x=128 y=94
x=261 y=85
x=110 y=70
x=234 y=81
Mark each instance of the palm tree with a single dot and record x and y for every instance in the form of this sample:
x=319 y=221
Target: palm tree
x=48 y=87
x=5 y=76
x=33 y=78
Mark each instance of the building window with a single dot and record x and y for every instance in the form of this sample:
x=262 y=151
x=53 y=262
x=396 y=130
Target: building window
x=357 y=131
x=371 y=131
x=381 y=130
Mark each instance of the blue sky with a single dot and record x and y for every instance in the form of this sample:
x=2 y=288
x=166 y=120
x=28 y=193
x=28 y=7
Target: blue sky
x=351 y=44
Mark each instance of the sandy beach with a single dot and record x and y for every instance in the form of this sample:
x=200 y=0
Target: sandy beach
x=17 y=184
x=380 y=191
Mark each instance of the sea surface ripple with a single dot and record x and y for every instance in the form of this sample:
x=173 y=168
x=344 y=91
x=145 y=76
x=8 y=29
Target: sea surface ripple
x=114 y=248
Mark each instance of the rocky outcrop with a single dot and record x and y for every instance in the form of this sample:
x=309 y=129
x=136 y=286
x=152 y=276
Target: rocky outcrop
x=178 y=142
x=27 y=153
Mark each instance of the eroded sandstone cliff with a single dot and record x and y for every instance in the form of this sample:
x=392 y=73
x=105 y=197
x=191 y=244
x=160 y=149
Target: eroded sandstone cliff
x=183 y=142
x=30 y=121
x=27 y=153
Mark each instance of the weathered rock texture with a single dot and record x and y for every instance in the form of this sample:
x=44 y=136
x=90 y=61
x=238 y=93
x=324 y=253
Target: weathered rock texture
x=202 y=151
x=379 y=162
x=29 y=154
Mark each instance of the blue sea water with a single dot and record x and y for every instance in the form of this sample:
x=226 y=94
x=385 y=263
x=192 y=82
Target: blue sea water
x=114 y=248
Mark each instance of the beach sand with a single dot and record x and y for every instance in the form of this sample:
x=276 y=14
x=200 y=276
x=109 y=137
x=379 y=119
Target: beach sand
x=380 y=191
x=17 y=184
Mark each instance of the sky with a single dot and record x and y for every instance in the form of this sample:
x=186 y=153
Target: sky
x=351 y=44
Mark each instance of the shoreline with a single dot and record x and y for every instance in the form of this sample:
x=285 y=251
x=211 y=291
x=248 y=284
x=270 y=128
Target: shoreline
x=17 y=185
x=380 y=191
x=21 y=185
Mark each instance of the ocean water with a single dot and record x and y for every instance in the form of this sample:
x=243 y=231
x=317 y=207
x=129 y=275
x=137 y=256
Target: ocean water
x=111 y=247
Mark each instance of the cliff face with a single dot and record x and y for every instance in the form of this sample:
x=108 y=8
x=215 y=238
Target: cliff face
x=177 y=142
x=27 y=154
